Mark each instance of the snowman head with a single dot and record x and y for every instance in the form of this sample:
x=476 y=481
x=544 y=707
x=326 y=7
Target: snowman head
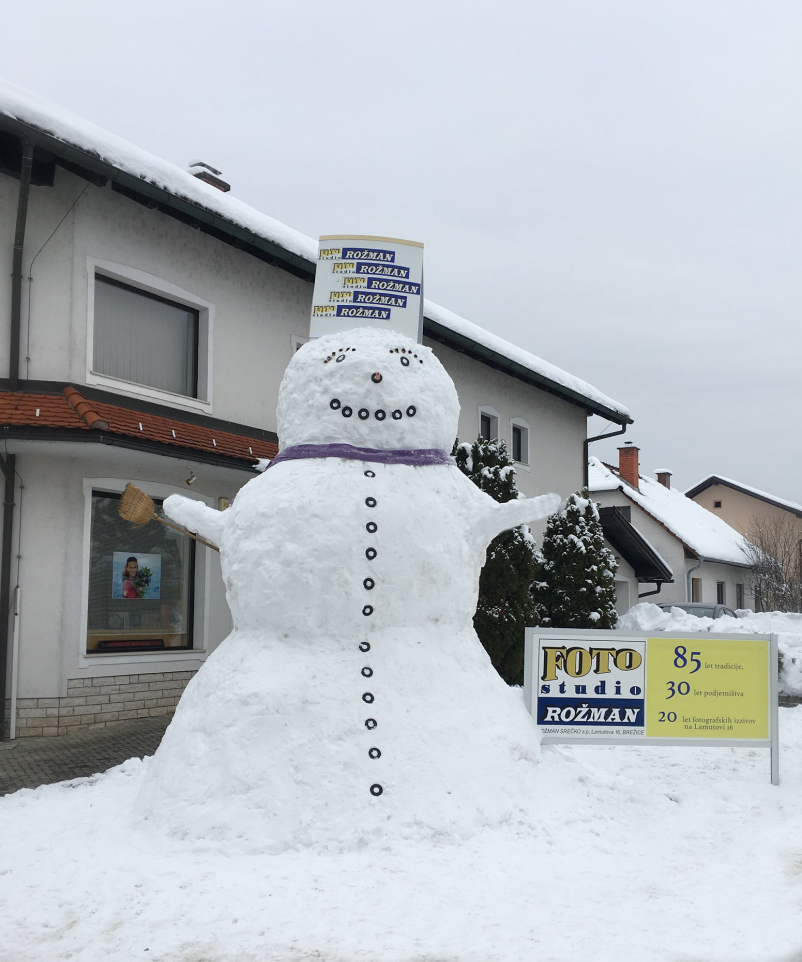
x=370 y=388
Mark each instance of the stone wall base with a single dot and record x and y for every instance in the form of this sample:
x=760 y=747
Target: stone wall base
x=101 y=703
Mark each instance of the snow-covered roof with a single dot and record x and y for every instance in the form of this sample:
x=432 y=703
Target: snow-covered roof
x=707 y=535
x=150 y=172
x=712 y=479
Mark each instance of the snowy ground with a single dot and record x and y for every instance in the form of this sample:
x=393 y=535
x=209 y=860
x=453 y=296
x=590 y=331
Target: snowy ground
x=684 y=854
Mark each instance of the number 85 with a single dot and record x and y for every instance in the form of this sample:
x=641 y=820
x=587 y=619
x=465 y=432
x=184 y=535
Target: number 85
x=680 y=661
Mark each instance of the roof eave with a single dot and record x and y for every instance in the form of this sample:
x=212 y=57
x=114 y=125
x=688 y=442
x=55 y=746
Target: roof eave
x=714 y=479
x=466 y=345
x=89 y=436
x=92 y=162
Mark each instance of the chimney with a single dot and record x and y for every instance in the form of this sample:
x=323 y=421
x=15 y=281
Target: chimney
x=663 y=476
x=208 y=174
x=628 y=464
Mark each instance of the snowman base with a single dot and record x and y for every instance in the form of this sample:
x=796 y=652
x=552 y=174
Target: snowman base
x=253 y=760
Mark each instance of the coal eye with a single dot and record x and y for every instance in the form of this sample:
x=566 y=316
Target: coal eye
x=405 y=361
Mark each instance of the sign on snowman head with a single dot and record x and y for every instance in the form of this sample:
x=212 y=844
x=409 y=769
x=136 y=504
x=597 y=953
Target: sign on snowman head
x=364 y=281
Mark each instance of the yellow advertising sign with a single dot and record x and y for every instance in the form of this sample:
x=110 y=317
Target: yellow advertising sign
x=707 y=688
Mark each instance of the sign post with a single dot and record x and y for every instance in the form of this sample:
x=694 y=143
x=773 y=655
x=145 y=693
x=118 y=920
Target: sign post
x=364 y=281
x=672 y=689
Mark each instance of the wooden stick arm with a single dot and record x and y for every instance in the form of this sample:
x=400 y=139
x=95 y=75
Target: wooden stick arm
x=196 y=516
x=502 y=517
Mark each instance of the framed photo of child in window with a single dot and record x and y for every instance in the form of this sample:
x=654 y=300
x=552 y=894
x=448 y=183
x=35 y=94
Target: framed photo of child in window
x=136 y=576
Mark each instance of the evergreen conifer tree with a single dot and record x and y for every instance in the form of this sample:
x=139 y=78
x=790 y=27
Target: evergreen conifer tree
x=505 y=606
x=576 y=584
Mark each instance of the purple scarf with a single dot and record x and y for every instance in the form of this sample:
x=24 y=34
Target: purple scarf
x=416 y=456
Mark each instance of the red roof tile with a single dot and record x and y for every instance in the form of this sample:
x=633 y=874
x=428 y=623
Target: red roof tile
x=72 y=410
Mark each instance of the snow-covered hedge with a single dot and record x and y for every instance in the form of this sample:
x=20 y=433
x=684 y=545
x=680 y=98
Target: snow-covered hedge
x=788 y=627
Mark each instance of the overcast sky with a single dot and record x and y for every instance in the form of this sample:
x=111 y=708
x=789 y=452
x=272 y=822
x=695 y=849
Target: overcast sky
x=614 y=186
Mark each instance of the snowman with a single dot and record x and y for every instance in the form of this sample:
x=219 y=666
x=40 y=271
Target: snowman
x=353 y=701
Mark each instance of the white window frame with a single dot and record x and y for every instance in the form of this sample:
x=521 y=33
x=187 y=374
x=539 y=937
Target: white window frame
x=524 y=426
x=494 y=415
x=175 y=661
x=152 y=285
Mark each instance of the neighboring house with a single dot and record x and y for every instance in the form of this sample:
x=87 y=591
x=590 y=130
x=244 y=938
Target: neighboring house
x=703 y=554
x=743 y=507
x=144 y=330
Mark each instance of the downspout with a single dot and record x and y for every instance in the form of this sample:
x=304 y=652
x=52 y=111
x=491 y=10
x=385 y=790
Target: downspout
x=9 y=464
x=587 y=443
x=8 y=467
x=688 y=574
x=16 y=265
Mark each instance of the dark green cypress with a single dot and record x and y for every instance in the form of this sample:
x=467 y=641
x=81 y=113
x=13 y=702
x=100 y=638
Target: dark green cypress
x=576 y=585
x=505 y=606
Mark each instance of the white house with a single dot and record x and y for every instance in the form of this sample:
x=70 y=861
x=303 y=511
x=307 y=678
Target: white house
x=144 y=329
x=676 y=550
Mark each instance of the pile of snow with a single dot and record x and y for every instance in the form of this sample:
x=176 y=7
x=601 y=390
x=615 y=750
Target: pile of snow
x=640 y=852
x=788 y=628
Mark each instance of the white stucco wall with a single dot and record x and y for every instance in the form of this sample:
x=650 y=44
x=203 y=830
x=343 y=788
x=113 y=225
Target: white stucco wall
x=53 y=564
x=257 y=308
x=556 y=428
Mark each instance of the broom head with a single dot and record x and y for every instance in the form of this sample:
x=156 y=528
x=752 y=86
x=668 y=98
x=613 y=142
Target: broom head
x=136 y=506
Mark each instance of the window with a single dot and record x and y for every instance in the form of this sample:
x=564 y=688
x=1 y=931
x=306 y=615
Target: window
x=488 y=423
x=297 y=341
x=148 y=337
x=721 y=593
x=716 y=504
x=144 y=338
x=519 y=434
x=696 y=589
x=739 y=596
x=141 y=584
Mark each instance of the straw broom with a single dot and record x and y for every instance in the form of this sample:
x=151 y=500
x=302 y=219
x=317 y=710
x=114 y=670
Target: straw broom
x=137 y=508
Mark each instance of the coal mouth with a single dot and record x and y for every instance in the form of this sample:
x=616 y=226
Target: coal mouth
x=379 y=414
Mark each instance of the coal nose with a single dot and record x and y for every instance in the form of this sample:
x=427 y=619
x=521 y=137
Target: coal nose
x=375 y=377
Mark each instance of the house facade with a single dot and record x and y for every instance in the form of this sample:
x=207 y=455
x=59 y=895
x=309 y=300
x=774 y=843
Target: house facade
x=144 y=330
x=690 y=554
x=743 y=507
